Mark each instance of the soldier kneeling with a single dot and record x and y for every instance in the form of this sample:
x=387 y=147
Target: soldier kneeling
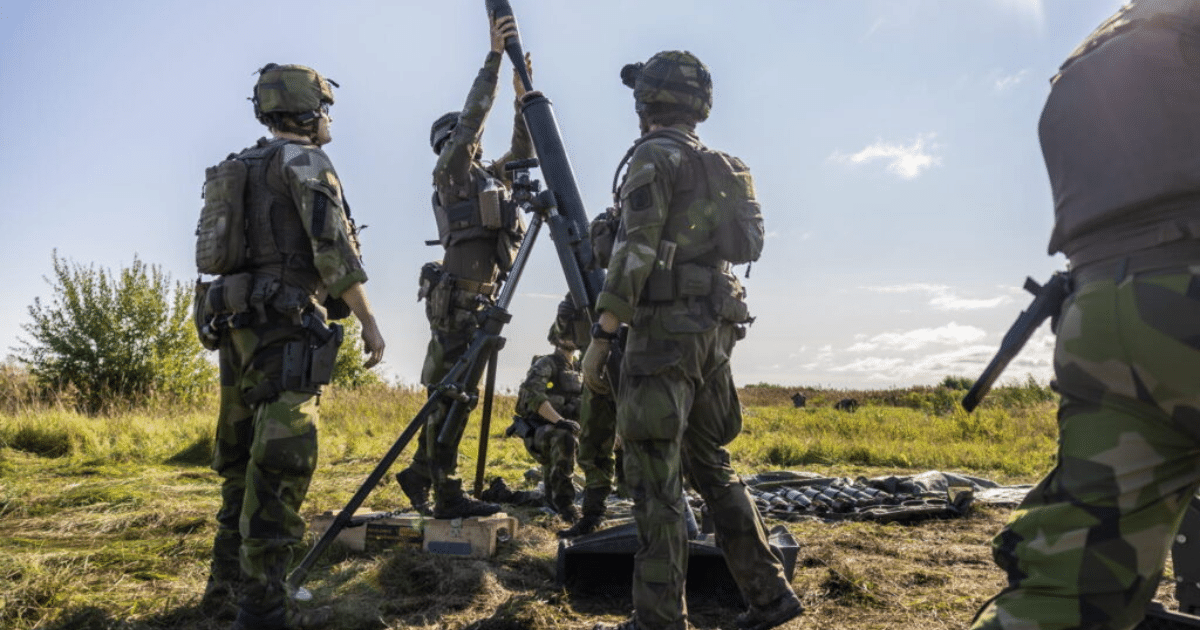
x=547 y=420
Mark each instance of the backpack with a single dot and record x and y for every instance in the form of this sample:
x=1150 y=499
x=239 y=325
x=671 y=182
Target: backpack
x=221 y=230
x=738 y=230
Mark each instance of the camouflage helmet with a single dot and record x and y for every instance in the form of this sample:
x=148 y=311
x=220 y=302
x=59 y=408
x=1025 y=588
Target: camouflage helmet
x=290 y=89
x=561 y=334
x=440 y=132
x=671 y=77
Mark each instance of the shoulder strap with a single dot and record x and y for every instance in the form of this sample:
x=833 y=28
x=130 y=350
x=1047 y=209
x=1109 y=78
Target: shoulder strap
x=669 y=133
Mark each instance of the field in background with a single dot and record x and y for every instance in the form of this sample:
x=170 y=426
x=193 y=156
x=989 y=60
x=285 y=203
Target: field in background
x=106 y=522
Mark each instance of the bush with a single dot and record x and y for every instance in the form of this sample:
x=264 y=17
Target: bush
x=116 y=338
x=348 y=370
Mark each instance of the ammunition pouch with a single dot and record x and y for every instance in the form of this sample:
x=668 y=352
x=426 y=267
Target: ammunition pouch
x=202 y=317
x=483 y=214
x=683 y=281
x=228 y=300
x=729 y=301
x=451 y=303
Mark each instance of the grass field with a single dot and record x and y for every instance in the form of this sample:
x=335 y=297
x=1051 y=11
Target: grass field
x=106 y=522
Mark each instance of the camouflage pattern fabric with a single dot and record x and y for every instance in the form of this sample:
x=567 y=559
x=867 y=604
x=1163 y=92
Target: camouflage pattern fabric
x=1086 y=547
x=266 y=439
x=265 y=454
x=677 y=407
x=316 y=192
x=456 y=177
x=554 y=448
x=597 y=458
x=554 y=379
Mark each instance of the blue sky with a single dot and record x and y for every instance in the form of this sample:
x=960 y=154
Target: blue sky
x=893 y=143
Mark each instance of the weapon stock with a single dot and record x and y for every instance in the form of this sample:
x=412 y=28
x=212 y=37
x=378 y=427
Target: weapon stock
x=1047 y=301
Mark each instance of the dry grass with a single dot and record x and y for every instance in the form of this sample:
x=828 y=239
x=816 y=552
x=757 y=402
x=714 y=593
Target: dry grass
x=95 y=537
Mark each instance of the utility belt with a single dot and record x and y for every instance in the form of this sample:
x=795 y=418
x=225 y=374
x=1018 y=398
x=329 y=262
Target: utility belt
x=308 y=362
x=684 y=280
x=482 y=288
x=1174 y=257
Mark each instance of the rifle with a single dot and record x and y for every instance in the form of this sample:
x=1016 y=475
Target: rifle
x=1047 y=302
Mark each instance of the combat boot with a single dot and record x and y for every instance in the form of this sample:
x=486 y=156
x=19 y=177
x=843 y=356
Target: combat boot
x=220 y=599
x=778 y=612
x=569 y=514
x=586 y=525
x=416 y=488
x=497 y=492
x=452 y=503
x=224 y=577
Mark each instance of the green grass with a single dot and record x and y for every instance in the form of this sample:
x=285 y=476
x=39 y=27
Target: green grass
x=106 y=521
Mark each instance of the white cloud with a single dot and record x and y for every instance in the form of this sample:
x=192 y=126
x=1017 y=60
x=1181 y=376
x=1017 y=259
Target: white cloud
x=952 y=334
x=1006 y=82
x=906 y=161
x=943 y=297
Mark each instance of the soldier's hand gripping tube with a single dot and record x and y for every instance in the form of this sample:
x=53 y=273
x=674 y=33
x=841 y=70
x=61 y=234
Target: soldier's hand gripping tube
x=1047 y=302
x=499 y=9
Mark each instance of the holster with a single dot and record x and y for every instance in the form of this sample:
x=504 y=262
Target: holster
x=308 y=362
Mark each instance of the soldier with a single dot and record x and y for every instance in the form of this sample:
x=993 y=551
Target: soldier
x=548 y=405
x=302 y=251
x=677 y=405
x=599 y=451
x=1119 y=131
x=480 y=233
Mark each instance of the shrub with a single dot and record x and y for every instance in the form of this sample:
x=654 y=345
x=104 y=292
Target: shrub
x=115 y=338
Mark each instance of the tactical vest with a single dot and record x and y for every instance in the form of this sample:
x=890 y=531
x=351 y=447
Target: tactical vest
x=277 y=243
x=484 y=211
x=1119 y=133
x=564 y=390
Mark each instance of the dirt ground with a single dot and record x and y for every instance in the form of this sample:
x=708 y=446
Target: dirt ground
x=929 y=575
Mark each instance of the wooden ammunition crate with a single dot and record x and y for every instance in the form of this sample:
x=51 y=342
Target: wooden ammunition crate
x=474 y=537
x=374 y=531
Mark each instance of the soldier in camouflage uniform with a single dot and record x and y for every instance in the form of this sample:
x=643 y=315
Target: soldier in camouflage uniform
x=548 y=405
x=1119 y=133
x=599 y=454
x=302 y=252
x=480 y=234
x=677 y=405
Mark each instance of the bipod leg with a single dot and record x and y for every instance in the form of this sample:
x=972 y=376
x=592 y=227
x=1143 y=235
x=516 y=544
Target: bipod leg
x=485 y=423
x=300 y=573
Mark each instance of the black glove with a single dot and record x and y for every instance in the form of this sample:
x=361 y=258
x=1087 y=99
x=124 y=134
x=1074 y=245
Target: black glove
x=569 y=424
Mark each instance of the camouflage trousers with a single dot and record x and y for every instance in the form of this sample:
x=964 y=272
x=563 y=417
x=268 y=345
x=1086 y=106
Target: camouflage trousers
x=265 y=453
x=434 y=461
x=677 y=408
x=597 y=459
x=554 y=448
x=1086 y=547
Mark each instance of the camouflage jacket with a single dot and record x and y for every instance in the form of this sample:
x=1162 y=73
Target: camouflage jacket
x=310 y=183
x=655 y=234
x=555 y=379
x=458 y=165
